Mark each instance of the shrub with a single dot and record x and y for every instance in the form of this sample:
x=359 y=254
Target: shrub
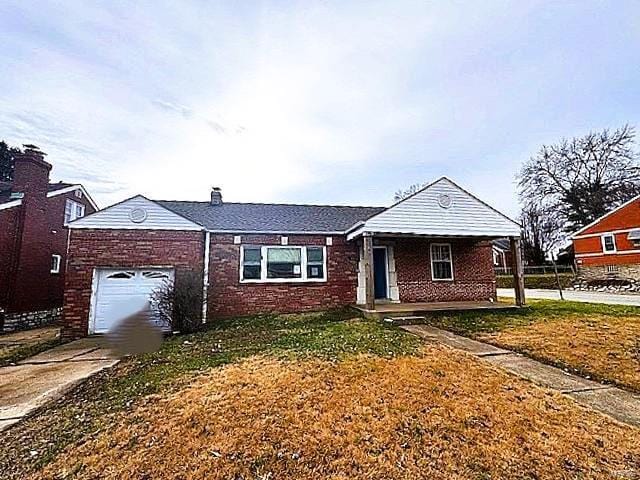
x=546 y=281
x=179 y=303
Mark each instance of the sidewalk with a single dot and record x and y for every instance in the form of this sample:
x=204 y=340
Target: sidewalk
x=615 y=402
x=576 y=296
x=46 y=376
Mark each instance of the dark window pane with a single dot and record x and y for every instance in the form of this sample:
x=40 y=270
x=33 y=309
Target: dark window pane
x=315 y=271
x=441 y=270
x=252 y=255
x=608 y=244
x=283 y=270
x=251 y=272
x=314 y=255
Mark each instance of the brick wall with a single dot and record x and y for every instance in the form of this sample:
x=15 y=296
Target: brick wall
x=90 y=249
x=474 y=277
x=8 y=232
x=228 y=297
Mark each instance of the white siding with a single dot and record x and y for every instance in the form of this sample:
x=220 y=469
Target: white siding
x=117 y=217
x=422 y=214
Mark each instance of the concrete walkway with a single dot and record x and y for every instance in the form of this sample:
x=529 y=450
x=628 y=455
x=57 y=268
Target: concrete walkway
x=615 y=402
x=46 y=376
x=576 y=296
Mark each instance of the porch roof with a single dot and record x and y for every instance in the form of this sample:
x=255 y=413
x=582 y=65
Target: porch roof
x=441 y=209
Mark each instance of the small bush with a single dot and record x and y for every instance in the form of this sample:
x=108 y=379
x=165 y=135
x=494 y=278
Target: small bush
x=546 y=281
x=179 y=303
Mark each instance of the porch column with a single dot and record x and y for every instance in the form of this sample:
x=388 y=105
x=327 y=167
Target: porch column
x=518 y=273
x=367 y=251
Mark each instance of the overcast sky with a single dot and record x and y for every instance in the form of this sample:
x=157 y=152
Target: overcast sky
x=310 y=102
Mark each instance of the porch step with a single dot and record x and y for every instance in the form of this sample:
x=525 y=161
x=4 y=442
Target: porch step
x=409 y=320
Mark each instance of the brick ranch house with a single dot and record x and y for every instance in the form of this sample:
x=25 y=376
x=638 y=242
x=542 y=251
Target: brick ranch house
x=33 y=241
x=609 y=247
x=433 y=246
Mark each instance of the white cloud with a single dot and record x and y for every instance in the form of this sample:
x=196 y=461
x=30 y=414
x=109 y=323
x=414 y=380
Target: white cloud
x=311 y=101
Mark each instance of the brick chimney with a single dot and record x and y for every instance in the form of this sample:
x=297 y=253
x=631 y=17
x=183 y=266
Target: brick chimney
x=216 y=196
x=33 y=253
x=31 y=172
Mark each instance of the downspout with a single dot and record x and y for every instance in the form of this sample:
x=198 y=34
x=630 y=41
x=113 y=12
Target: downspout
x=205 y=276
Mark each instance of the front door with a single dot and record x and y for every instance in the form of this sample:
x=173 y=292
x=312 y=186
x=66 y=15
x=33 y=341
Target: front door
x=380 y=272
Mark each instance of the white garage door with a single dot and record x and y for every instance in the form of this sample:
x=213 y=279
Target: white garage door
x=121 y=293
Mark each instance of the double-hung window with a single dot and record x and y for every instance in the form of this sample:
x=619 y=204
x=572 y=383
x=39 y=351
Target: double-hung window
x=608 y=243
x=72 y=211
x=441 y=261
x=279 y=263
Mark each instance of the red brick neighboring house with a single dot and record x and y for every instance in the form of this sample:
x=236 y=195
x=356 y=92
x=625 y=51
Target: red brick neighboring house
x=610 y=246
x=33 y=241
x=254 y=258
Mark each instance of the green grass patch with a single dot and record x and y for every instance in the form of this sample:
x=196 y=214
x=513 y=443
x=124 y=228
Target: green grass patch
x=474 y=322
x=546 y=281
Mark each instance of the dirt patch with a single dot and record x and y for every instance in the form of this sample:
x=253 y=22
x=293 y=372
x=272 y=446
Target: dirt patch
x=604 y=347
x=437 y=415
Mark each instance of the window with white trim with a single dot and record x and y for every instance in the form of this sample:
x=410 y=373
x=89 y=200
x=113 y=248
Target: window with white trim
x=55 y=263
x=608 y=243
x=72 y=211
x=278 y=263
x=441 y=261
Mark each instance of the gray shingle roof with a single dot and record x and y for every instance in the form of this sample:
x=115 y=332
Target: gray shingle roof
x=270 y=217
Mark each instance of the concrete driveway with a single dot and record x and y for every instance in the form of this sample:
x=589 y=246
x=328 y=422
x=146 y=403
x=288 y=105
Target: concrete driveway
x=46 y=376
x=575 y=296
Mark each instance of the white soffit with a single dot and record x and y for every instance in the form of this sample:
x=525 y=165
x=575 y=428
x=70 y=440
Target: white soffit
x=136 y=213
x=441 y=209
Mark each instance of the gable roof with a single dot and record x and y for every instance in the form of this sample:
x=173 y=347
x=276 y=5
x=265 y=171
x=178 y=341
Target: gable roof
x=122 y=215
x=271 y=217
x=599 y=219
x=444 y=209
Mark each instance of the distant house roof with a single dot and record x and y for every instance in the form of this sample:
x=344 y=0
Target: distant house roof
x=271 y=217
x=53 y=189
x=502 y=244
x=59 y=186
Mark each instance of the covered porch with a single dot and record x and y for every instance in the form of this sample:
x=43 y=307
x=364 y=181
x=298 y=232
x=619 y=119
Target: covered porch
x=432 y=252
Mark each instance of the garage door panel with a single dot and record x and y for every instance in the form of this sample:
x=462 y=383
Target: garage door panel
x=122 y=293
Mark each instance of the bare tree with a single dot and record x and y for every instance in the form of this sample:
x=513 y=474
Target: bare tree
x=583 y=178
x=400 y=194
x=541 y=232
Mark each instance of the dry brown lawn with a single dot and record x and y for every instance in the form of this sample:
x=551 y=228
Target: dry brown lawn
x=604 y=346
x=438 y=415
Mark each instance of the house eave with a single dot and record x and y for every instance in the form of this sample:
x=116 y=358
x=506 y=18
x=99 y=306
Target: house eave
x=71 y=189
